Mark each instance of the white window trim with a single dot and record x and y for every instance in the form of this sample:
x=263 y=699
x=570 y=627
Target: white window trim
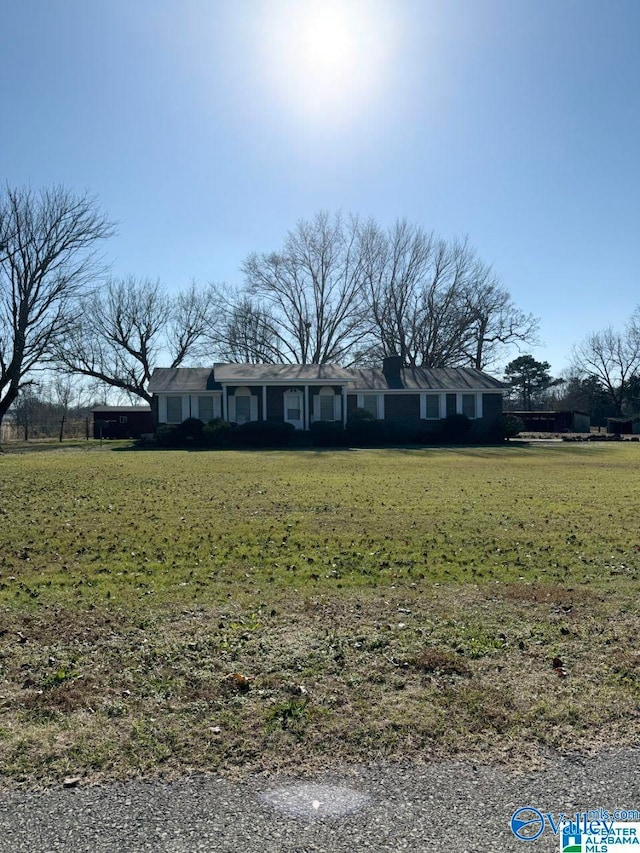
x=423 y=406
x=299 y=396
x=184 y=406
x=379 y=402
x=478 y=397
x=217 y=404
x=326 y=391
x=243 y=391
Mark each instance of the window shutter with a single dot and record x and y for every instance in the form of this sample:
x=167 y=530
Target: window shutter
x=316 y=407
x=253 y=408
x=231 y=402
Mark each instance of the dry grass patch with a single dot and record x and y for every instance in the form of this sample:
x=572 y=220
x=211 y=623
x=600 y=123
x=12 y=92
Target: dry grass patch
x=231 y=612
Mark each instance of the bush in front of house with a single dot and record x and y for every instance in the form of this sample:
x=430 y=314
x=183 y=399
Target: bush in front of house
x=367 y=432
x=263 y=434
x=186 y=434
x=167 y=435
x=428 y=432
x=455 y=429
x=508 y=426
x=190 y=432
x=404 y=431
x=361 y=415
x=217 y=433
x=327 y=434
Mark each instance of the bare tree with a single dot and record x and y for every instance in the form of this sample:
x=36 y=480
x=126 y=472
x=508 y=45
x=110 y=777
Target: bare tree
x=47 y=257
x=61 y=393
x=26 y=407
x=245 y=332
x=496 y=322
x=613 y=358
x=310 y=295
x=435 y=303
x=129 y=326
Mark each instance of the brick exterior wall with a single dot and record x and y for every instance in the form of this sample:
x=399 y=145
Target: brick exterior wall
x=401 y=406
x=491 y=407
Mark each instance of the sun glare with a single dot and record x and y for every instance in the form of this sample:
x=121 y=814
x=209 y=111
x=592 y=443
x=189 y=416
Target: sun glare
x=325 y=59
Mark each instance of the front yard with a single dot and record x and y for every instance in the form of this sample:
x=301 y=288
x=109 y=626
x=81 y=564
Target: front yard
x=163 y=611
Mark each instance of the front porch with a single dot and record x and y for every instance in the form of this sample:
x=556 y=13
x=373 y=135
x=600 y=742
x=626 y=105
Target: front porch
x=299 y=405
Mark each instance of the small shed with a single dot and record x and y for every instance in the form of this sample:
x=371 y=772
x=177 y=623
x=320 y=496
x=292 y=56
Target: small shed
x=564 y=421
x=623 y=426
x=122 y=421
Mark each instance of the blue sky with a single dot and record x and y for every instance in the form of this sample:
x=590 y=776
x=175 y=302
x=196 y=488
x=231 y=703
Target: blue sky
x=207 y=129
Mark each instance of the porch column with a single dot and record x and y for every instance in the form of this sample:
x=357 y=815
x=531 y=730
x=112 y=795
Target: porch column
x=344 y=405
x=264 y=402
x=225 y=407
x=305 y=423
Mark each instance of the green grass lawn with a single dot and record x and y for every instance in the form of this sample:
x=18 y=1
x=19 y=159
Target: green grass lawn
x=163 y=611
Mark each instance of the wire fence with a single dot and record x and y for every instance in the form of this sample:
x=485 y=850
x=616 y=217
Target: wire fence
x=42 y=430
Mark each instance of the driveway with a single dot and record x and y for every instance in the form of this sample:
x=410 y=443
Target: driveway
x=453 y=807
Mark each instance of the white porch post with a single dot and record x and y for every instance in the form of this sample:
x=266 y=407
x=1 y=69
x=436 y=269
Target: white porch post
x=264 y=402
x=344 y=405
x=225 y=407
x=305 y=423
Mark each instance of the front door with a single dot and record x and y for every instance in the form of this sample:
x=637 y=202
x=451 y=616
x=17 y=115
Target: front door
x=293 y=411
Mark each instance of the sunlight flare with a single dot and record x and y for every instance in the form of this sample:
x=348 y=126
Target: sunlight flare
x=325 y=61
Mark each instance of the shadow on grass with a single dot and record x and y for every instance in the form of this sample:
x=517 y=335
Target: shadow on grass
x=466 y=449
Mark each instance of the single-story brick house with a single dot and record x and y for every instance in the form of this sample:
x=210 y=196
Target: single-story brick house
x=122 y=421
x=301 y=394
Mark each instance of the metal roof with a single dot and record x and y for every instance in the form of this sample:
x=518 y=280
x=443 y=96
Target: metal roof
x=121 y=409
x=175 y=380
x=288 y=373
x=426 y=379
x=197 y=379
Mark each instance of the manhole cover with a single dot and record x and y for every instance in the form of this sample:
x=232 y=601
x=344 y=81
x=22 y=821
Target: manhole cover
x=309 y=800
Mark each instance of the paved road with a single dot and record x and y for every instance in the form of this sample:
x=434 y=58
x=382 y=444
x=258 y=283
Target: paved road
x=450 y=807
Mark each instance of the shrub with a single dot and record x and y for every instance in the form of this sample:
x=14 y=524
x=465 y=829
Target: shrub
x=263 y=434
x=190 y=431
x=429 y=432
x=403 y=431
x=327 y=433
x=217 y=433
x=361 y=415
x=167 y=435
x=455 y=428
x=365 y=432
x=509 y=426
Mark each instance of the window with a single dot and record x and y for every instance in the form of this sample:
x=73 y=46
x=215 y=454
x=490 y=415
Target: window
x=451 y=404
x=243 y=406
x=326 y=407
x=469 y=405
x=174 y=410
x=432 y=407
x=123 y=419
x=370 y=403
x=326 y=403
x=243 y=409
x=205 y=409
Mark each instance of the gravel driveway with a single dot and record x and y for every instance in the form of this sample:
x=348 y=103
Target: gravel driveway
x=452 y=807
